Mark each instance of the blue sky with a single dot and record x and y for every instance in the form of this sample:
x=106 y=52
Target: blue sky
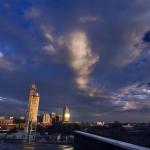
x=93 y=56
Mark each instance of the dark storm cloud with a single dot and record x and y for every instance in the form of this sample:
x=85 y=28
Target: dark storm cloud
x=92 y=56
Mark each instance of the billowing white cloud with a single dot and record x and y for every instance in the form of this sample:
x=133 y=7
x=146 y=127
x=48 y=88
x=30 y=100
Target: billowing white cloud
x=81 y=58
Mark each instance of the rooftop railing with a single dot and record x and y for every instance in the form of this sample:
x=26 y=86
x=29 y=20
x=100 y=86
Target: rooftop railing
x=118 y=144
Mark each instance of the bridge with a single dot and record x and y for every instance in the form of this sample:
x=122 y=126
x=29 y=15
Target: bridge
x=87 y=141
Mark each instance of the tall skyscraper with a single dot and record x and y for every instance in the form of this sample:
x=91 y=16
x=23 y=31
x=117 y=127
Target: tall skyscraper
x=32 y=111
x=66 y=114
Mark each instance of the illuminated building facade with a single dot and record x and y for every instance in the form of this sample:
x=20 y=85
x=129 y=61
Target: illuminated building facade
x=66 y=114
x=32 y=112
x=47 y=119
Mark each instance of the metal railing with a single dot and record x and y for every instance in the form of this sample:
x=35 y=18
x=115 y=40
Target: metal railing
x=113 y=142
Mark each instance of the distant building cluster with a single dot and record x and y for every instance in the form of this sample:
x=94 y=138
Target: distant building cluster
x=53 y=118
x=6 y=120
x=46 y=119
x=32 y=118
x=9 y=123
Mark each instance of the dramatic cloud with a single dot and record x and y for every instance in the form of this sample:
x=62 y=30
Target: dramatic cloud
x=133 y=97
x=57 y=45
x=81 y=58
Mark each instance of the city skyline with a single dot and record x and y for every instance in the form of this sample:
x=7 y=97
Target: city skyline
x=92 y=57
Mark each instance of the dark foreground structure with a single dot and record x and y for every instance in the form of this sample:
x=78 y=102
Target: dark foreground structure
x=87 y=141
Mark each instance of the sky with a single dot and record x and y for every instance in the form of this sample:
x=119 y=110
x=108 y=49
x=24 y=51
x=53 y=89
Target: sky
x=93 y=56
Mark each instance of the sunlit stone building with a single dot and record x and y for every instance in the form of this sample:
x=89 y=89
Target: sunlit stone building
x=66 y=114
x=32 y=111
x=47 y=119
